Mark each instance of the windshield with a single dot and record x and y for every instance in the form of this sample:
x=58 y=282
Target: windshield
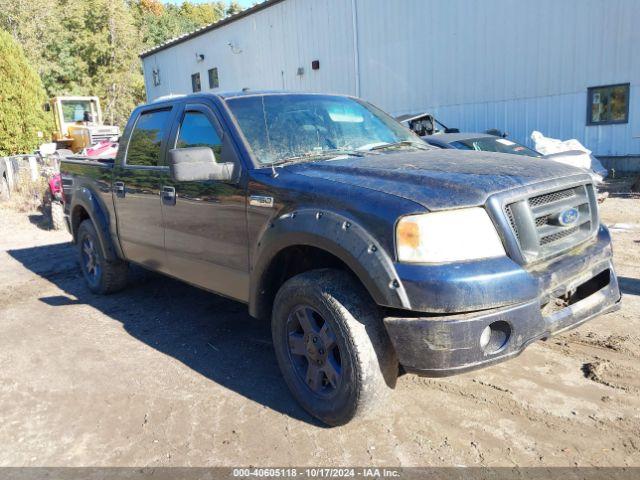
x=282 y=128
x=73 y=110
x=494 y=144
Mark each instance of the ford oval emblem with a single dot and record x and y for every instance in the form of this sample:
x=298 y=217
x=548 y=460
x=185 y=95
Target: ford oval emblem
x=568 y=217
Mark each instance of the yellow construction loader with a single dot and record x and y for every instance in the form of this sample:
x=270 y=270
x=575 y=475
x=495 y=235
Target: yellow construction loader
x=78 y=123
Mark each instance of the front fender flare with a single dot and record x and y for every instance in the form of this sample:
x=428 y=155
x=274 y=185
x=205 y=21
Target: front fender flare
x=337 y=235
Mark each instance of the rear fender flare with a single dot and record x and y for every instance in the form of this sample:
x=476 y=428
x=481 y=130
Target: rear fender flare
x=338 y=235
x=99 y=215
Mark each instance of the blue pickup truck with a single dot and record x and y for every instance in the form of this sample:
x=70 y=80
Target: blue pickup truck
x=370 y=252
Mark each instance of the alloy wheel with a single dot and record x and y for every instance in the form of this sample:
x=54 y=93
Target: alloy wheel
x=314 y=351
x=90 y=258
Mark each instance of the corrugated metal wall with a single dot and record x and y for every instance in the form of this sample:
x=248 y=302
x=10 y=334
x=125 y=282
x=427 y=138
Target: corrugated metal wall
x=266 y=50
x=511 y=64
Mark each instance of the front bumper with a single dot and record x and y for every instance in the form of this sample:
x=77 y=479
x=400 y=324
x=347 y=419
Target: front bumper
x=444 y=344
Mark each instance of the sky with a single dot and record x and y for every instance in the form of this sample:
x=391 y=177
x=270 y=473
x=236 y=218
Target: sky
x=244 y=3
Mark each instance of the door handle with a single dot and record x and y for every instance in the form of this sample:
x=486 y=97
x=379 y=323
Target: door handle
x=168 y=195
x=118 y=188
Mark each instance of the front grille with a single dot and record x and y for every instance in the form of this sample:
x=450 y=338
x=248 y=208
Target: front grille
x=551 y=197
x=549 y=223
x=558 y=235
x=512 y=220
x=542 y=220
x=100 y=137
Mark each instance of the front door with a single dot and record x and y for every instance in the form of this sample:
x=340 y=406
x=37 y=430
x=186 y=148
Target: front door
x=205 y=221
x=136 y=185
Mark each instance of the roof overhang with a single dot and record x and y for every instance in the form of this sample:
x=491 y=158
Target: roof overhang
x=208 y=28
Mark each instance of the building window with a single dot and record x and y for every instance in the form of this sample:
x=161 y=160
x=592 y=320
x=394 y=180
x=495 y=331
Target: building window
x=213 y=78
x=156 y=77
x=195 y=82
x=608 y=104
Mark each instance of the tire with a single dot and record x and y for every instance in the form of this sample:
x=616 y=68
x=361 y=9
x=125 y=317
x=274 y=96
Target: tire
x=102 y=276
x=5 y=193
x=63 y=152
x=57 y=215
x=342 y=365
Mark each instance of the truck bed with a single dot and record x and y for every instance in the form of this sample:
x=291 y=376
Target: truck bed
x=86 y=160
x=77 y=171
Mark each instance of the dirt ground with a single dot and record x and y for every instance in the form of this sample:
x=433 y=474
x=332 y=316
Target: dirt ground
x=165 y=374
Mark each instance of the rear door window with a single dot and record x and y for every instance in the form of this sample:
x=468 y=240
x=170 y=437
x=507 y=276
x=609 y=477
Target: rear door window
x=146 y=140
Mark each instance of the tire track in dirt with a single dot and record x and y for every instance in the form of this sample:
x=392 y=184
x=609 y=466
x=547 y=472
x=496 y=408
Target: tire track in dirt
x=97 y=368
x=613 y=361
x=486 y=396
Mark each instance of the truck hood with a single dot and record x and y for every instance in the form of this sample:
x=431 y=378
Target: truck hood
x=438 y=179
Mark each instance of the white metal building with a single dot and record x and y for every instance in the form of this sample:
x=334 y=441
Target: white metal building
x=515 y=65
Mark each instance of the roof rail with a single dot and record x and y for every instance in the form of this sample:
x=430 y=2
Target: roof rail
x=168 y=97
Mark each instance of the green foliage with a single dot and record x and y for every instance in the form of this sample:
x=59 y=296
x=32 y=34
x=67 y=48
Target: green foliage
x=21 y=101
x=233 y=8
x=33 y=25
x=94 y=52
x=159 y=23
x=91 y=47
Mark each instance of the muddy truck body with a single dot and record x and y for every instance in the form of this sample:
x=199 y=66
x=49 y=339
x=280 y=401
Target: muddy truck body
x=370 y=252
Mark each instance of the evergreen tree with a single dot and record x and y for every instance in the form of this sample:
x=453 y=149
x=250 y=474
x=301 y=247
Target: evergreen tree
x=34 y=24
x=21 y=101
x=233 y=8
x=91 y=47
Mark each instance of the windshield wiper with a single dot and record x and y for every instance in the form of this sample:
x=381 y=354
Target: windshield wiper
x=345 y=151
x=316 y=155
x=402 y=143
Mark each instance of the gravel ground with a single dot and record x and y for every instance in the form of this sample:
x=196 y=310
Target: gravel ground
x=165 y=374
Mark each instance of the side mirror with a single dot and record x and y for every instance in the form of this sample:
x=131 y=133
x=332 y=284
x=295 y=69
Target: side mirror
x=197 y=163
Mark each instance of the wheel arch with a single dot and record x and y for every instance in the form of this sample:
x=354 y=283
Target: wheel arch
x=3 y=172
x=331 y=240
x=87 y=206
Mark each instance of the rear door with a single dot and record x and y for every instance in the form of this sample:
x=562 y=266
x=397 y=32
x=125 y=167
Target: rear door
x=136 y=185
x=205 y=221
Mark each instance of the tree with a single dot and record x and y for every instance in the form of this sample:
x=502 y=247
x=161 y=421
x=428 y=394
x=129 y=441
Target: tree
x=21 y=101
x=203 y=13
x=91 y=47
x=115 y=66
x=157 y=25
x=33 y=25
x=151 y=6
x=96 y=53
x=233 y=8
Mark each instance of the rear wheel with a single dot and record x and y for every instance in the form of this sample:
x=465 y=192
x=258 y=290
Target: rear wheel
x=5 y=193
x=63 y=152
x=332 y=347
x=101 y=275
x=57 y=215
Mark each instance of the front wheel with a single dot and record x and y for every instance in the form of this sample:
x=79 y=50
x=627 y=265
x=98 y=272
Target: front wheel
x=101 y=275
x=331 y=345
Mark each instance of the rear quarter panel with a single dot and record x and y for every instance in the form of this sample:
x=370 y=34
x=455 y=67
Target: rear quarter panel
x=87 y=184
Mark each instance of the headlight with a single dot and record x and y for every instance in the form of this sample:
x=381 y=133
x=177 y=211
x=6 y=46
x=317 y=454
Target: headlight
x=449 y=236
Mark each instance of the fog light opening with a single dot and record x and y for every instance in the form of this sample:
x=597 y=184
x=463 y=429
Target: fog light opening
x=495 y=336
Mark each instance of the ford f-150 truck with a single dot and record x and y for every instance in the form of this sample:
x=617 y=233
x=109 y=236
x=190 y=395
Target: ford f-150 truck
x=370 y=252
